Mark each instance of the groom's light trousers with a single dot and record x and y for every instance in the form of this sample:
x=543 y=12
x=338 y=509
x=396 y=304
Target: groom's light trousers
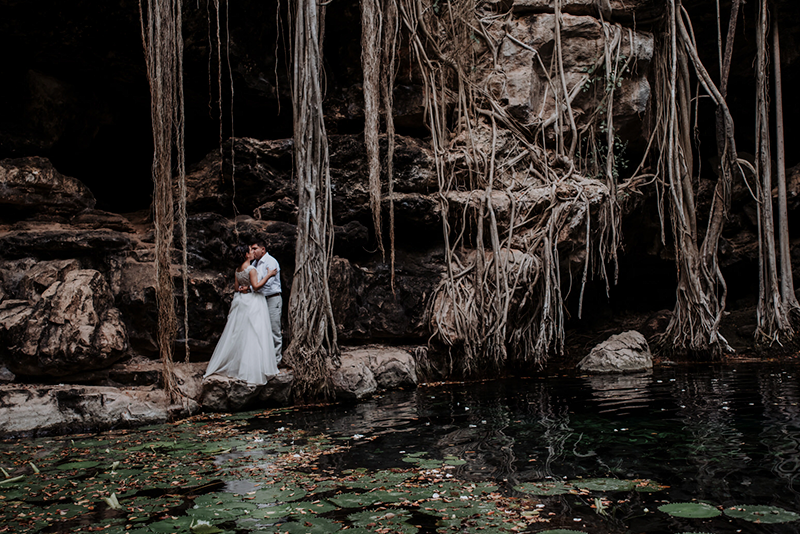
x=275 y=305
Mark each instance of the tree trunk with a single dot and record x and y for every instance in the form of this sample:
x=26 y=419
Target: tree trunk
x=791 y=306
x=773 y=323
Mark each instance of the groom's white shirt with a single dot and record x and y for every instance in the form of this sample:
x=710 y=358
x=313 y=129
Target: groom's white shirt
x=273 y=285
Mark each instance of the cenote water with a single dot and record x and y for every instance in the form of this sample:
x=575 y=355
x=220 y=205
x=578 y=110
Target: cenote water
x=680 y=450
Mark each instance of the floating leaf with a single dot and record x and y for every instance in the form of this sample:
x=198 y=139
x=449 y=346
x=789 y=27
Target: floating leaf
x=204 y=527
x=696 y=510
x=381 y=479
x=648 y=486
x=112 y=502
x=762 y=514
x=604 y=484
x=316 y=507
x=544 y=488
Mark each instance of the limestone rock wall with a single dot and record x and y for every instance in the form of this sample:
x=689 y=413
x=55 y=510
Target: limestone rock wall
x=76 y=252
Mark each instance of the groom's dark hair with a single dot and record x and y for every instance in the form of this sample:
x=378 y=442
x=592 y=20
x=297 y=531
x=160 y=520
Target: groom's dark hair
x=259 y=242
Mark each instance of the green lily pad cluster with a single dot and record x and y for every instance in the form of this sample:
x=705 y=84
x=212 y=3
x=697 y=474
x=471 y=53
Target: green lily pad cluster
x=216 y=475
x=559 y=487
x=753 y=513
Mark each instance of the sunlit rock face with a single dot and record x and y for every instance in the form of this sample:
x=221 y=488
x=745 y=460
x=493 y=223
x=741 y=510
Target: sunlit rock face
x=32 y=186
x=72 y=326
x=641 y=10
x=525 y=81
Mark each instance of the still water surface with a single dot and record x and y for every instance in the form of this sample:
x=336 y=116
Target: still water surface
x=727 y=436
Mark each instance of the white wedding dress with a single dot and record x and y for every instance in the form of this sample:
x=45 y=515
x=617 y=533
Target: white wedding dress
x=245 y=350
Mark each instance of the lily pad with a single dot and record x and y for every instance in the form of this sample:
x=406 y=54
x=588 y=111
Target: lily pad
x=392 y=519
x=324 y=486
x=762 y=514
x=604 y=484
x=544 y=488
x=360 y=500
x=181 y=524
x=695 y=510
x=381 y=479
x=316 y=507
x=272 y=512
x=272 y=494
x=311 y=525
x=77 y=465
x=214 y=514
x=221 y=498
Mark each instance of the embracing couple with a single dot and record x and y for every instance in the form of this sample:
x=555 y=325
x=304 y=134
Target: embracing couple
x=250 y=346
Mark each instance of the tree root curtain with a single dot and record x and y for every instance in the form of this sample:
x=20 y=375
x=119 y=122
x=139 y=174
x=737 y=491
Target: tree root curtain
x=313 y=344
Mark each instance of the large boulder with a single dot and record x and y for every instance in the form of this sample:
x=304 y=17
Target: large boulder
x=74 y=326
x=31 y=186
x=627 y=352
x=353 y=379
x=392 y=367
x=225 y=394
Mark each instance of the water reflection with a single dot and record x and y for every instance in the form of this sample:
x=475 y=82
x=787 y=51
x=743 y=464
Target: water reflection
x=781 y=436
x=727 y=436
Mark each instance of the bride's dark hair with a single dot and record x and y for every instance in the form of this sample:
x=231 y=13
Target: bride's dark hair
x=240 y=252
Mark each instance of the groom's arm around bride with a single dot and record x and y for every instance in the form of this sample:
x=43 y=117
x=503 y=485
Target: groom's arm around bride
x=265 y=263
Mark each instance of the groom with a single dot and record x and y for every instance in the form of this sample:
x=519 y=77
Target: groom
x=271 y=290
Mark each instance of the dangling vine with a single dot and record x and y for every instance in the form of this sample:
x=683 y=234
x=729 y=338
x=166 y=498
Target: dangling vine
x=161 y=36
x=507 y=199
x=313 y=346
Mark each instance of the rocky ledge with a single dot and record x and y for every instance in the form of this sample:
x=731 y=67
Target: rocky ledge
x=128 y=393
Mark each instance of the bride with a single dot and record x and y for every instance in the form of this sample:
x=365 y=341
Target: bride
x=246 y=350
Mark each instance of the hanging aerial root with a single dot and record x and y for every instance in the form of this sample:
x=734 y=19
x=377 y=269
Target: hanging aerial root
x=313 y=341
x=161 y=36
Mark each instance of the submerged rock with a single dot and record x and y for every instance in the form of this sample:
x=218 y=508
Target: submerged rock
x=622 y=353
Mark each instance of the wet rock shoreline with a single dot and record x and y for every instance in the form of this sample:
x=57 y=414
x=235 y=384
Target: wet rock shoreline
x=128 y=394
